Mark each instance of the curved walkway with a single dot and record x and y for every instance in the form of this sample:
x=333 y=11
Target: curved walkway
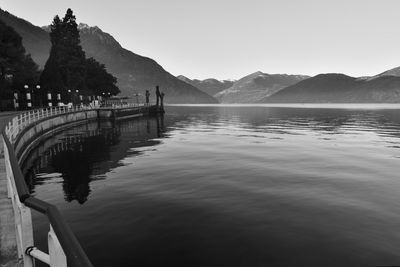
x=8 y=242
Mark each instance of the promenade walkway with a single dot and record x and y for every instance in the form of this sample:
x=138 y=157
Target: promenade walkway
x=8 y=242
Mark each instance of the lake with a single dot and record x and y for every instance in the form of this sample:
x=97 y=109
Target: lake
x=236 y=185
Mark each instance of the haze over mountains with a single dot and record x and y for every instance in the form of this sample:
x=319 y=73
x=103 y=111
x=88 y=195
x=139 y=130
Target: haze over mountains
x=256 y=86
x=340 y=88
x=249 y=89
x=260 y=87
x=210 y=86
x=135 y=73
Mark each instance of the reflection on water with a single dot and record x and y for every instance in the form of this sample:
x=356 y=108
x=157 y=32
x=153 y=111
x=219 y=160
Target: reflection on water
x=228 y=186
x=85 y=153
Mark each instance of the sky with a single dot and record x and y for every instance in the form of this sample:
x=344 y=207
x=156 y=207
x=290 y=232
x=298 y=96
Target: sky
x=230 y=39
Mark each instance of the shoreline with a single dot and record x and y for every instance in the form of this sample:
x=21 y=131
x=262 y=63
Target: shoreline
x=301 y=105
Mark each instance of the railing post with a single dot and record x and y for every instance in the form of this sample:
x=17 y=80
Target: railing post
x=57 y=255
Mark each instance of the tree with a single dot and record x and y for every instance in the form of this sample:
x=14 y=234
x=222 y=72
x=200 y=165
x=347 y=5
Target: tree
x=16 y=67
x=51 y=77
x=65 y=67
x=98 y=80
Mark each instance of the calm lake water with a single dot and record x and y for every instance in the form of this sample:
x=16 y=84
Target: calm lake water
x=228 y=186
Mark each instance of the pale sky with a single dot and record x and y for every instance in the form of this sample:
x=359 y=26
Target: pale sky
x=228 y=39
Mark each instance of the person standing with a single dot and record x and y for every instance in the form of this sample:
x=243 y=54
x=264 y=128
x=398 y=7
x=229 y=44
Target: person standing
x=157 y=95
x=162 y=102
x=147 y=97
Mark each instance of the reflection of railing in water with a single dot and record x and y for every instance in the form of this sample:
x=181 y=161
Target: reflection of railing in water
x=68 y=149
x=72 y=146
x=63 y=246
x=72 y=140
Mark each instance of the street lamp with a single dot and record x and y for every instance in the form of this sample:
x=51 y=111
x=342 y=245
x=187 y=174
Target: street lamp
x=39 y=96
x=16 y=104
x=59 y=99
x=28 y=97
x=70 y=97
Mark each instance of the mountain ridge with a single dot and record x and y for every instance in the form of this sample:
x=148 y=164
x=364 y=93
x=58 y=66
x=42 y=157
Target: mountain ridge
x=134 y=73
x=339 y=88
x=255 y=86
x=391 y=72
x=210 y=86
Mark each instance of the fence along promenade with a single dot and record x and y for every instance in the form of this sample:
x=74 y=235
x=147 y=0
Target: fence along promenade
x=64 y=248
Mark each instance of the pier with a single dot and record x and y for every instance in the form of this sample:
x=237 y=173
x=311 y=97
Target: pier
x=21 y=132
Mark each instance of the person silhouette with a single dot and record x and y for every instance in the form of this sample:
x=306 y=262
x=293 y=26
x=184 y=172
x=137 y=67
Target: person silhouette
x=162 y=102
x=157 y=95
x=147 y=97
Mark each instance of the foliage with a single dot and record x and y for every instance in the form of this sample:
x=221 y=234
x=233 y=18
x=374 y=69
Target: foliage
x=67 y=67
x=98 y=80
x=16 y=67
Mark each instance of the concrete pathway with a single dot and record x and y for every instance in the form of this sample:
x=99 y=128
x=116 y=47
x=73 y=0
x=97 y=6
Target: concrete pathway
x=8 y=242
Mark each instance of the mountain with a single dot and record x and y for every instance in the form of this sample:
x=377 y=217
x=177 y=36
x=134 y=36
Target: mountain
x=391 y=72
x=209 y=86
x=339 y=88
x=34 y=39
x=135 y=73
x=254 y=87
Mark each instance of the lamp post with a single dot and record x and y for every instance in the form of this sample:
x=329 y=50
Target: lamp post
x=16 y=104
x=70 y=97
x=59 y=99
x=28 y=97
x=39 y=94
x=50 y=103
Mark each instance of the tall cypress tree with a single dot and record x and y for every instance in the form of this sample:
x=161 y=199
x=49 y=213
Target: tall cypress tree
x=65 y=67
x=73 y=64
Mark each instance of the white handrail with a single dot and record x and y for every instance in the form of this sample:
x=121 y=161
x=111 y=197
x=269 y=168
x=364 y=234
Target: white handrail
x=18 y=123
x=26 y=250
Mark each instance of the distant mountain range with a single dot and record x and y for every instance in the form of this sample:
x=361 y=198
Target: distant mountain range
x=254 y=87
x=249 y=89
x=135 y=73
x=209 y=86
x=260 y=87
x=339 y=88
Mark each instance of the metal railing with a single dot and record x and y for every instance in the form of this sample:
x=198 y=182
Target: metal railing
x=124 y=105
x=64 y=248
x=20 y=122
